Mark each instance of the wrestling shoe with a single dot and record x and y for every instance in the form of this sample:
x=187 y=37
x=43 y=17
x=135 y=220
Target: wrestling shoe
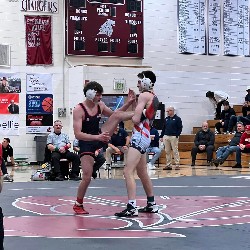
x=7 y=178
x=130 y=211
x=150 y=208
x=79 y=209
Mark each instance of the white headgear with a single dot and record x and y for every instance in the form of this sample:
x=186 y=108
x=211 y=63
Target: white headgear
x=90 y=94
x=146 y=83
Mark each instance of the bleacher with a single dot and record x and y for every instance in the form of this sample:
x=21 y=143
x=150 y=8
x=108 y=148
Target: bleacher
x=186 y=142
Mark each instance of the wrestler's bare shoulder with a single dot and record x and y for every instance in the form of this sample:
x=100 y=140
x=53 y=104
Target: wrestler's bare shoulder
x=147 y=96
x=78 y=107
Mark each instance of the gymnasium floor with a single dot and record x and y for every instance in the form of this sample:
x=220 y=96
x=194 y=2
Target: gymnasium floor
x=204 y=208
x=24 y=175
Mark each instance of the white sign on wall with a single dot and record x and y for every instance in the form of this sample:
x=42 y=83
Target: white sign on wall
x=39 y=83
x=39 y=5
x=214 y=27
x=9 y=125
x=236 y=27
x=191 y=26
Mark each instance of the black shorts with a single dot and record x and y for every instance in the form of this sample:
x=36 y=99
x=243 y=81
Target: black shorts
x=89 y=147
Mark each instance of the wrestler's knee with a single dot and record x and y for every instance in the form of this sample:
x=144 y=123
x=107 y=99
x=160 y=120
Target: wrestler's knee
x=128 y=172
x=86 y=178
x=117 y=114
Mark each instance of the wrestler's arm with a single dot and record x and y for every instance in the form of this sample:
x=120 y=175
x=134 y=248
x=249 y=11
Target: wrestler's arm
x=130 y=100
x=106 y=111
x=142 y=101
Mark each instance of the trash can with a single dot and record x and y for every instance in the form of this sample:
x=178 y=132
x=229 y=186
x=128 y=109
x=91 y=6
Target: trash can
x=41 y=142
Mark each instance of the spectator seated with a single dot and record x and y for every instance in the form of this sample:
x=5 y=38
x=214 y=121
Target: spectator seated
x=65 y=166
x=151 y=155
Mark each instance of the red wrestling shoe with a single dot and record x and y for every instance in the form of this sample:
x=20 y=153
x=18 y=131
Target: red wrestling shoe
x=79 y=209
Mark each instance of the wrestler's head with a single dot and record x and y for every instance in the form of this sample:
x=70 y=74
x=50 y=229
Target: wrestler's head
x=93 y=91
x=146 y=80
x=210 y=94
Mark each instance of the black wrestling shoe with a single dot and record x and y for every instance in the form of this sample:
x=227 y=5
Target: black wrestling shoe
x=130 y=211
x=150 y=208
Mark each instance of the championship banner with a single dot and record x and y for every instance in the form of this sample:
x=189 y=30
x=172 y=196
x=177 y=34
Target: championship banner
x=39 y=83
x=9 y=103
x=10 y=83
x=38 y=40
x=9 y=125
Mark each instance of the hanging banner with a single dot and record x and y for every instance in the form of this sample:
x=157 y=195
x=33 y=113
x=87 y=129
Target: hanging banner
x=39 y=104
x=9 y=103
x=39 y=123
x=10 y=83
x=38 y=40
x=39 y=83
x=39 y=113
x=9 y=125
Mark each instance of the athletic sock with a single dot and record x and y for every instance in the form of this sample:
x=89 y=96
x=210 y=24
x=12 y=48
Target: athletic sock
x=132 y=203
x=151 y=200
x=79 y=201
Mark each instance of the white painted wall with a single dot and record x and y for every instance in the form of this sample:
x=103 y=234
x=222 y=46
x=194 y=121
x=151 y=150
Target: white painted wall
x=182 y=80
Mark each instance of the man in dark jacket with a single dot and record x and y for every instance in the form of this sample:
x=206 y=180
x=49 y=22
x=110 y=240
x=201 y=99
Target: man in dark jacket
x=234 y=119
x=170 y=133
x=223 y=152
x=204 y=142
x=246 y=105
x=224 y=118
x=13 y=108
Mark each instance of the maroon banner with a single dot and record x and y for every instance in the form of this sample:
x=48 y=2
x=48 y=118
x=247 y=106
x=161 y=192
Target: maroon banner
x=38 y=40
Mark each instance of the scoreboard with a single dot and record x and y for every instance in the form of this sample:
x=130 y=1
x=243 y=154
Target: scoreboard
x=104 y=28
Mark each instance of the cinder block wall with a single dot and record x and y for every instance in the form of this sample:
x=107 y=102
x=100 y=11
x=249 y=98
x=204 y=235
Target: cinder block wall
x=182 y=80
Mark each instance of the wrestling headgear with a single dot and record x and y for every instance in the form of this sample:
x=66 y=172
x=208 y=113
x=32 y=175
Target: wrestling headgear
x=147 y=80
x=91 y=89
x=146 y=83
x=90 y=94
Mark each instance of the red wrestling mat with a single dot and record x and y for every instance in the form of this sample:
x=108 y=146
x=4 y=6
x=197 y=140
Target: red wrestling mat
x=53 y=217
